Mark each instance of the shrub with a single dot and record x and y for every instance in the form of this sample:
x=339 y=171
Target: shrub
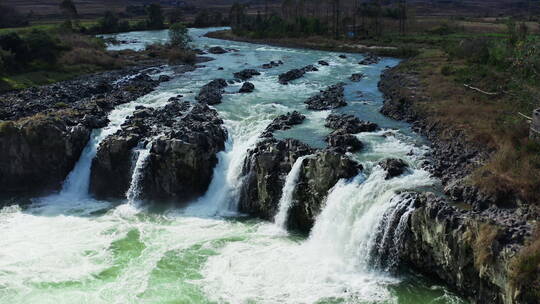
x=178 y=56
x=525 y=269
x=43 y=47
x=447 y=70
x=482 y=246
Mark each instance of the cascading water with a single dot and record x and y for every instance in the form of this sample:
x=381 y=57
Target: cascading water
x=135 y=190
x=85 y=251
x=286 y=200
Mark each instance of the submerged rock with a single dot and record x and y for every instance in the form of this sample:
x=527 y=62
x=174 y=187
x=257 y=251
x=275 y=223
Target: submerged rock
x=247 y=87
x=284 y=122
x=246 y=74
x=331 y=98
x=184 y=140
x=212 y=93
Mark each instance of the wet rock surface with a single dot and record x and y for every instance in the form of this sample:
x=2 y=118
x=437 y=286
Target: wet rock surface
x=294 y=74
x=44 y=130
x=284 y=122
x=331 y=98
x=348 y=124
x=393 y=167
x=272 y=64
x=246 y=74
x=184 y=139
x=357 y=77
x=323 y=63
x=266 y=168
x=247 y=87
x=217 y=50
x=370 y=59
x=212 y=93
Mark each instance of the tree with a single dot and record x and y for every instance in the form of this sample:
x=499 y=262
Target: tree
x=109 y=23
x=69 y=9
x=155 y=19
x=178 y=36
x=175 y=15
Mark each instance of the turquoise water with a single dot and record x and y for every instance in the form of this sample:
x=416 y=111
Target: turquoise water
x=73 y=249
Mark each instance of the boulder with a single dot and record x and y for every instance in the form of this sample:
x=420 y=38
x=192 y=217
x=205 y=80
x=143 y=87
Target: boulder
x=394 y=167
x=217 y=50
x=294 y=74
x=331 y=98
x=246 y=74
x=357 y=77
x=324 y=63
x=212 y=93
x=272 y=64
x=370 y=59
x=343 y=143
x=348 y=124
x=284 y=122
x=247 y=87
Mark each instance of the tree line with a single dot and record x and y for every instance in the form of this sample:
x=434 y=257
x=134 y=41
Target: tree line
x=339 y=18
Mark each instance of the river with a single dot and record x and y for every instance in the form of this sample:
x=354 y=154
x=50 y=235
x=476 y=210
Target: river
x=70 y=248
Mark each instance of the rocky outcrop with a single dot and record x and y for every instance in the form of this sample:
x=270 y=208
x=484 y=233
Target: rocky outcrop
x=393 y=167
x=246 y=74
x=472 y=249
x=348 y=124
x=323 y=63
x=44 y=130
x=266 y=168
x=331 y=98
x=294 y=74
x=467 y=250
x=344 y=143
x=247 y=87
x=212 y=92
x=284 y=122
x=318 y=175
x=184 y=140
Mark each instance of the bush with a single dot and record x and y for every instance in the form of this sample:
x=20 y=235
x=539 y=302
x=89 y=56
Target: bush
x=525 y=269
x=43 y=47
x=179 y=56
x=447 y=70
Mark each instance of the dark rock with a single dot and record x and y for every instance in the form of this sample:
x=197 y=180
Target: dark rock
x=164 y=78
x=284 y=122
x=331 y=98
x=348 y=124
x=266 y=168
x=217 y=50
x=220 y=69
x=370 y=59
x=272 y=64
x=294 y=74
x=212 y=93
x=357 y=77
x=182 y=153
x=246 y=74
x=343 y=56
x=247 y=87
x=344 y=143
x=322 y=62
x=394 y=167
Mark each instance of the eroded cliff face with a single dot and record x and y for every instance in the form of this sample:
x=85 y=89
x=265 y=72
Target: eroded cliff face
x=265 y=172
x=472 y=248
x=183 y=141
x=43 y=131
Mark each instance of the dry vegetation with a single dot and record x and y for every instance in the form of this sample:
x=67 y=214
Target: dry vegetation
x=483 y=245
x=525 y=269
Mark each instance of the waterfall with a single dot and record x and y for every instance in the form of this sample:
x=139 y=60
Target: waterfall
x=349 y=226
x=77 y=183
x=135 y=188
x=286 y=200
